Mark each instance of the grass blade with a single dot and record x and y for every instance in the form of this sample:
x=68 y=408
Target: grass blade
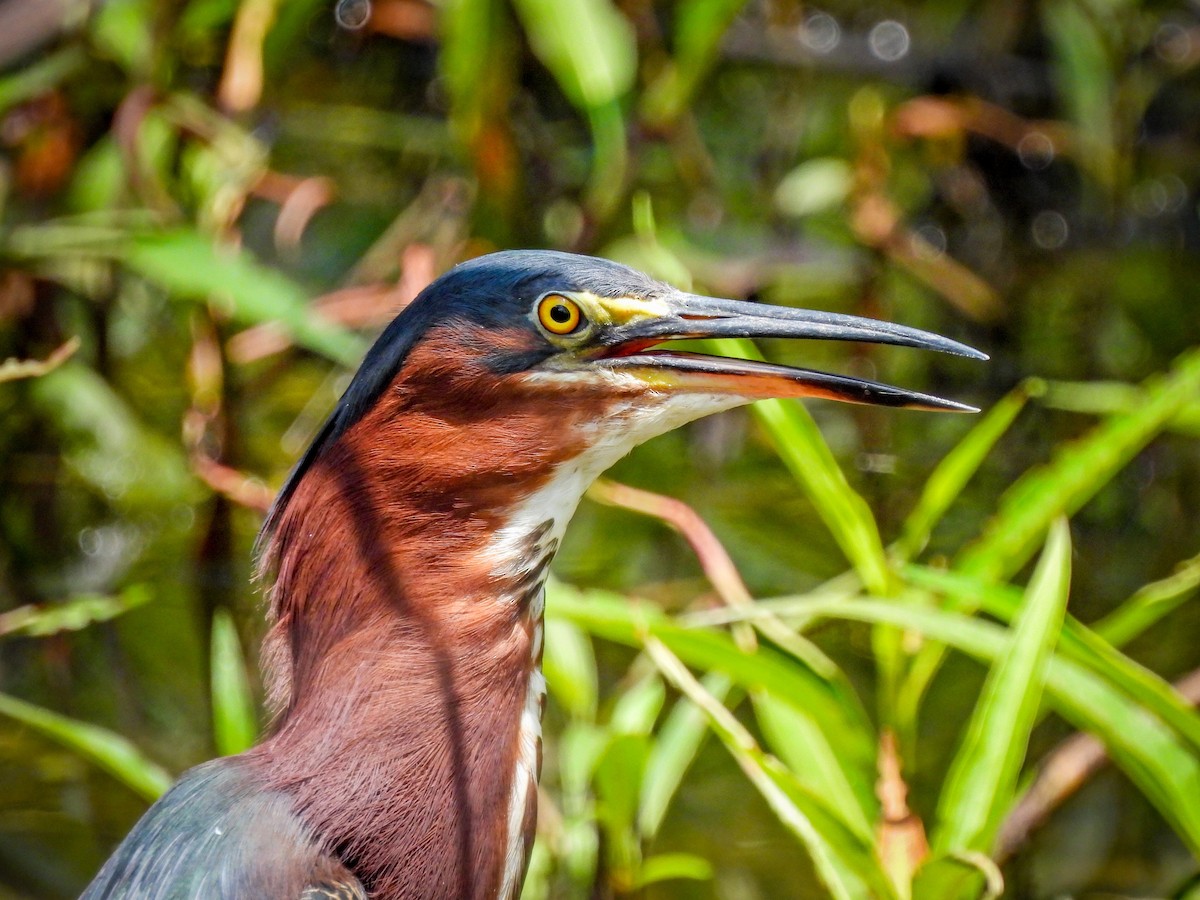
x=982 y=780
x=675 y=748
x=794 y=739
x=1149 y=752
x=74 y=615
x=1077 y=471
x=957 y=468
x=235 y=720
x=191 y=265
x=106 y=749
x=1150 y=604
x=836 y=714
x=848 y=866
x=700 y=27
x=1080 y=644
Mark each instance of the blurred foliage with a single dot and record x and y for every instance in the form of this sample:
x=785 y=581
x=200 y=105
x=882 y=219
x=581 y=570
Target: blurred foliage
x=209 y=206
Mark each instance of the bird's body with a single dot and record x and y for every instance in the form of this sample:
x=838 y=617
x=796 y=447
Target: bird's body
x=409 y=551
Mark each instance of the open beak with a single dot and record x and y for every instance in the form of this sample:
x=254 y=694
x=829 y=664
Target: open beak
x=627 y=347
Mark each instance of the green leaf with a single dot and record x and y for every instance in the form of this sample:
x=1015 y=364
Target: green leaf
x=1149 y=752
x=814 y=186
x=836 y=714
x=796 y=741
x=674 y=749
x=235 y=720
x=192 y=266
x=638 y=706
x=1077 y=471
x=122 y=32
x=848 y=866
x=105 y=749
x=108 y=446
x=74 y=615
x=1150 y=604
x=570 y=668
x=618 y=779
x=587 y=45
x=40 y=77
x=947 y=481
x=944 y=876
x=700 y=26
x=982 y=780
x=590 y=49
x=1106 y=398
x=1078 y=643
x=1084 y=77
x=673 y=866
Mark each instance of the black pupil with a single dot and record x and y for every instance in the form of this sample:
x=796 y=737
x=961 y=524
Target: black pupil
x=560 y=314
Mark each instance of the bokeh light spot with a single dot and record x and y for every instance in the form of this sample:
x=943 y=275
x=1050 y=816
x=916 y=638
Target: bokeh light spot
x=820 y=33
x=352 y=14
x=1049 y=229
x=889 y=40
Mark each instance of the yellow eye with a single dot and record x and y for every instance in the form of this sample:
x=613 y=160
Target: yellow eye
x=559 y=314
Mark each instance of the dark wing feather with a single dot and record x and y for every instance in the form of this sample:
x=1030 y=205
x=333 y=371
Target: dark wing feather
x=217 y=836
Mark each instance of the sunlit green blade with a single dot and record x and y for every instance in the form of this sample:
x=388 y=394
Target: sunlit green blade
x=107 y=444
x=638 y=706
x=1084 y=79
x=1150 y=604
x=982 y=780
x=106 y=749
x=848 y=866
x=570 y=668
x=836 y=715
x=590 y=48
x=1069 y=480
x=617 y=780
x=671 y=866
x=587 y=45
x=675 y=748
x=796 y=741
x=235 y=720
x=1106 y=398
x=700 y=27
x=74 y=615
x=1079 y=643
x=957 y=468
x=1076 y=473
x=945 y=876
x=41 y=76
x=190 y=265
x=1149 y=752
x=800 y=445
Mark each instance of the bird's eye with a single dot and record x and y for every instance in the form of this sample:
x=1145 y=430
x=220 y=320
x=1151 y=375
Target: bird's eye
x=559 y=314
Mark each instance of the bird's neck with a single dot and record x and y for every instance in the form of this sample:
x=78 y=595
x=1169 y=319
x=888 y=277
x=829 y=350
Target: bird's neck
x=406 y=656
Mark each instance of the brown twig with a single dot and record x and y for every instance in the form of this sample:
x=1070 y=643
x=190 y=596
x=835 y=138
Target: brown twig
x=1065 y=770
x=12 y=369
x=299 y=199
x=242 y=81
x=205 y=431
x=229 y=482
x=714 y=560
x=902 y=842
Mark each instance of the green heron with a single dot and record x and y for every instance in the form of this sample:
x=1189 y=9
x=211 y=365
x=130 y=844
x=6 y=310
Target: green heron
x=408 y=551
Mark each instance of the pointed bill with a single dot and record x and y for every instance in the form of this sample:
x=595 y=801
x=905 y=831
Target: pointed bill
x=686 y=316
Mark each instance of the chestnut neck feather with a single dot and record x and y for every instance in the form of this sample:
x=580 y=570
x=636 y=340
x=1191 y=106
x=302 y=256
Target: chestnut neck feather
x=401 y=647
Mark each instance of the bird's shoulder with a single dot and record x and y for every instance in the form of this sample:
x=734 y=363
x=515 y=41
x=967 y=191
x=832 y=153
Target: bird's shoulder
x=219 y=835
